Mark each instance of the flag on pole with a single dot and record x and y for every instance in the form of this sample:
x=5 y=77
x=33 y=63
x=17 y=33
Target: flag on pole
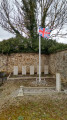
x=44 y=32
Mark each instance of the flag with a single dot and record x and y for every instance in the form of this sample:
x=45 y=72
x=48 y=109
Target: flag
x=44 y=32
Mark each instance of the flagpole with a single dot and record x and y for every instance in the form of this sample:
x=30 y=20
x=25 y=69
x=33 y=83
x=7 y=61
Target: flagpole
x=39 y=58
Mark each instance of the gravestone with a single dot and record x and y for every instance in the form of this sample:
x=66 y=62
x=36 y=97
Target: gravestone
x=23 y=70
x=31 y=70
x=38 y=70
x=46 y=69
x=58 y=82
x=15 y=70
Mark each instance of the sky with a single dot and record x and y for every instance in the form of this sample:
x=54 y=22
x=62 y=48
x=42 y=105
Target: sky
x=4 y=34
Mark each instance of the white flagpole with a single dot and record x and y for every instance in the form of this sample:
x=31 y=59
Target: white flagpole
x=39 y=58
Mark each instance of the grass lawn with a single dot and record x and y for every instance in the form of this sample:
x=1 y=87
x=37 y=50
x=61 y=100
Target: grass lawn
x=46 y=107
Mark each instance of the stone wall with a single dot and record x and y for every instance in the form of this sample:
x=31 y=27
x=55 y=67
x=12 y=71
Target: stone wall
x=21 y=59
x=58 y=63
x=3 y=62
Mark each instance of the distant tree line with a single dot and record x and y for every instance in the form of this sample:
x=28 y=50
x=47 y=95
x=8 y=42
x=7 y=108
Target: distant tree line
x=24 y=45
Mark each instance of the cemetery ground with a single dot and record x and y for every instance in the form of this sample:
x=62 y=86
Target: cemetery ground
x=39 y=107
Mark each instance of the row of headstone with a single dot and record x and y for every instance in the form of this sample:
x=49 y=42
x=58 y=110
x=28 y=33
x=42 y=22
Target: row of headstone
x=15 y=70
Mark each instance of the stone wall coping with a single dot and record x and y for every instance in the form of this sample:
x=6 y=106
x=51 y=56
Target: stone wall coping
x=58 y=52
x=22 y=54
x=33 y=53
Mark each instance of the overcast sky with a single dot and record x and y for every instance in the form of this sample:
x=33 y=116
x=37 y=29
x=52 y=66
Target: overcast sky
x=5 y=35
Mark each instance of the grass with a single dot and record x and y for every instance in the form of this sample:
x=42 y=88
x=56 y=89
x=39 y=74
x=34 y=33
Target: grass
x=35 y=108
x=46 y=107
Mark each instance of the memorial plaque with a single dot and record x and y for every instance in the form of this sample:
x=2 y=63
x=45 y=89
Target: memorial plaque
x=23 y=70
x=15 y=71
x=31 y=70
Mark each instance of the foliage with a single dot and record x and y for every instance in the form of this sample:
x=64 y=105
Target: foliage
x=20 y=118
x=29 y=9
x=24 y=45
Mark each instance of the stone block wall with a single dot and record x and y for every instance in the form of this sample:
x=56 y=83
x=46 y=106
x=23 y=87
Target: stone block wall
x=3 y=62
x=22 y=59
x=58 y=63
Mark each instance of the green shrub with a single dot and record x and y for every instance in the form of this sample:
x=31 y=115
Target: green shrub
x=23 y=45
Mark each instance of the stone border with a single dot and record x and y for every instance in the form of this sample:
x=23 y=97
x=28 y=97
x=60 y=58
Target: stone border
x=35 y=90
x=29 y=78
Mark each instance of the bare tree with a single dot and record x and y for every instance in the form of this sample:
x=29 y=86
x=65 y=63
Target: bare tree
x=53 y=14
x=10 y=19
x=18 y=19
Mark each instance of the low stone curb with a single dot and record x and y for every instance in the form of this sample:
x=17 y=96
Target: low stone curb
x=35 y=90
x=19 y=78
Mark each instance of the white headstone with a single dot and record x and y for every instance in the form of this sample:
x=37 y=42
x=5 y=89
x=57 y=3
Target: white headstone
x=46 y=69
x=31 y=70
x=38 y=69
x=58 y=82
x=23 y=70
x=15 y=70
